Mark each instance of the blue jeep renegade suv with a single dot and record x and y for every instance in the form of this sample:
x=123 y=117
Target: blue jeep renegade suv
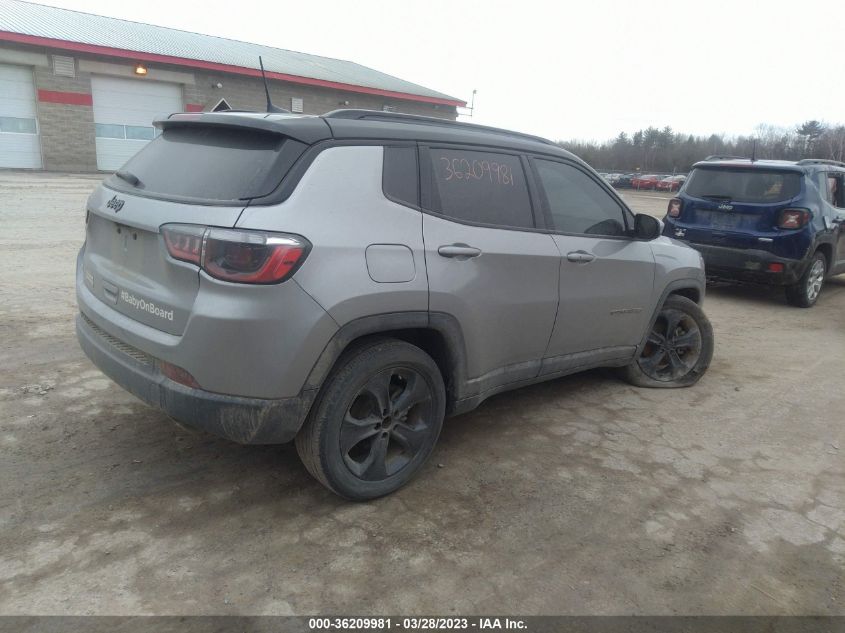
x=767 y=221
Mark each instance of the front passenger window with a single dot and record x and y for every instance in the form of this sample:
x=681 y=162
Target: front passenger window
x=576 y=203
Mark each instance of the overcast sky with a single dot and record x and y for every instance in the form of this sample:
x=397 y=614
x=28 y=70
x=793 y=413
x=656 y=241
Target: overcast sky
x=585 y=69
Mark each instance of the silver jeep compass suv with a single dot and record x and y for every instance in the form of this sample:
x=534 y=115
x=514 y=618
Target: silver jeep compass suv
x=350 y=279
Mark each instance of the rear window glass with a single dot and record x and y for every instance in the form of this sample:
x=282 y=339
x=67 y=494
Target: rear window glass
x=743 y=185
x=210 y=163
x=482 y=187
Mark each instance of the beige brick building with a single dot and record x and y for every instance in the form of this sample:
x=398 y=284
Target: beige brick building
x=78 y=92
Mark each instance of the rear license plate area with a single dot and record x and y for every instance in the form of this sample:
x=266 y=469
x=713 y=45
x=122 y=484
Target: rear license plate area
x=722 y=220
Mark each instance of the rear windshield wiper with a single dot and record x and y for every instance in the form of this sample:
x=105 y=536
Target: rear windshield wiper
x=128 y=176
x=714 y=196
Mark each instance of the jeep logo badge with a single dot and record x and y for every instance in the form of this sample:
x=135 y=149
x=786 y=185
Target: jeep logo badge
x=722 y=207
x=115 y=203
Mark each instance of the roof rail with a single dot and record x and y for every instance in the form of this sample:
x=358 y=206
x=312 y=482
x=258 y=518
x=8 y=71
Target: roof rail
x=726 y=157
x=820 y=161
x=397 y=117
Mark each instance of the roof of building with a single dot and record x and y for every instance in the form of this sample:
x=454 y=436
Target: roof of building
x=29 y=23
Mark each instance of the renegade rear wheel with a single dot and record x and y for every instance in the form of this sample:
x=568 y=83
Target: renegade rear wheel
x=375 y=422
x=678 y=350
x=806 y=292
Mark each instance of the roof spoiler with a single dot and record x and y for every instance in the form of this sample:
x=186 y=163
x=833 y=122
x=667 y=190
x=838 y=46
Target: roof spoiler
x=306 y=129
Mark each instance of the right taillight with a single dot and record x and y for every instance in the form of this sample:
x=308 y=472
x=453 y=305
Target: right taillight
x=674 y=209
x=793 y=218
x=240 y=256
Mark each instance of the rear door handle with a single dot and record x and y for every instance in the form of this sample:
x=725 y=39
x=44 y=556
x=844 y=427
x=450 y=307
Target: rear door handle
x=458 y=251
x=582 y=257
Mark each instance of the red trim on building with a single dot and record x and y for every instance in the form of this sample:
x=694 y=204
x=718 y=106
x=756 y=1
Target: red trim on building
x=67 y=98
x=193 y=107
x=226 y=68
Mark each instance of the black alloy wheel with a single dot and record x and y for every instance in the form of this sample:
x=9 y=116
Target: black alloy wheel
x=673 y=346
x=386 y=424
x=375 y=421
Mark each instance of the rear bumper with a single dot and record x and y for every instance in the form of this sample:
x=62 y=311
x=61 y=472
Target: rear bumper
x=242 y=420
x=748 y=265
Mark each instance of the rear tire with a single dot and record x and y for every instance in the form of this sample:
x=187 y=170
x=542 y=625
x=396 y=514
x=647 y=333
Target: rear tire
x=375 y=422
x=806 y=292
x=678 y=350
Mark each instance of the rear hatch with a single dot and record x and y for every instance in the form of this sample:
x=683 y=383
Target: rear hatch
x=735 y=206
x=190 y=174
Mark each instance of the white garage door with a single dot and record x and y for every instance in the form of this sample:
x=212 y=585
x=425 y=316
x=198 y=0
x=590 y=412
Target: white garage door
x=19 y=144
x=124 y=110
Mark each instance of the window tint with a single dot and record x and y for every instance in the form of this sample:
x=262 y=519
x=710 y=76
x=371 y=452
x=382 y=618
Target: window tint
x=577 y=204
x=400 y=180
x=743 y=185
x=482 y=187
x=211 y=163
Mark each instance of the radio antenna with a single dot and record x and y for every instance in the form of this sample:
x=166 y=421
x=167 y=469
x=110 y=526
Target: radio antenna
x=270 y=106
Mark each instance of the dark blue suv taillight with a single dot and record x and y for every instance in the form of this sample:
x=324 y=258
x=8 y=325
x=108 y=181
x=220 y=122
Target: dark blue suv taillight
x=793 y=218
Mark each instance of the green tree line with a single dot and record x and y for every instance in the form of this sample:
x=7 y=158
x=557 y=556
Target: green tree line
x=666 y=151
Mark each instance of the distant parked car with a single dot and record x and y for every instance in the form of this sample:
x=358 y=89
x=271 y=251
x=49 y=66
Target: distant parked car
x=645 y=182
x=672 y=183
x=623 y=181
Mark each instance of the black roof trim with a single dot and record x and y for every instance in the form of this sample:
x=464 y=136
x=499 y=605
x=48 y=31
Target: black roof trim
x=369 y=125
x=727 y=157
x=396 y=117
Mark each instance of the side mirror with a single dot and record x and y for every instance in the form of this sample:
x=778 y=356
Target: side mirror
x=647 y=227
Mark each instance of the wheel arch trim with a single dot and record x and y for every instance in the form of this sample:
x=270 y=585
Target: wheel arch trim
x=444 y=325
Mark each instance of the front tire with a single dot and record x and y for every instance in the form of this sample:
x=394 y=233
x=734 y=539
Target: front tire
x=678 y=350
x=806 y=292
x=376 y=420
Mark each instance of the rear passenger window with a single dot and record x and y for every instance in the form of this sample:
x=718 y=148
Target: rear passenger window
x=482 y=187
x=400 y=180
x=576 y=203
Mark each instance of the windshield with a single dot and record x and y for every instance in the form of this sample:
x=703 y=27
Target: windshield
x=743 y=185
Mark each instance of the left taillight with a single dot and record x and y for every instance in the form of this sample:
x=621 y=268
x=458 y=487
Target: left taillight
x=793 y=218
x=240 y=256
x=184 y=241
